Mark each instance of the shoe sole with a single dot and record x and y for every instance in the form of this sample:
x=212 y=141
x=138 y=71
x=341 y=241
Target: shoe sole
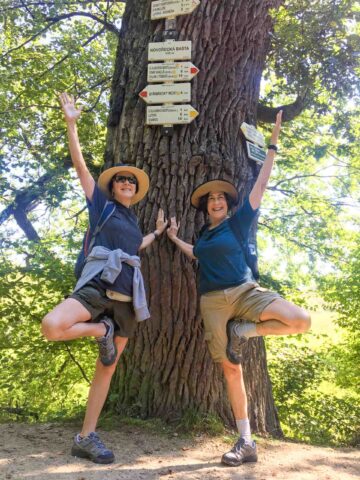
x=232 y=357
x=112 y=361
x=76 y=452
x=251 y=459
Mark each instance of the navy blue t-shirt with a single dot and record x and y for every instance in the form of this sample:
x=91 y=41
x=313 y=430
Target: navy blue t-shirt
x=221 y=258
x=120 y=231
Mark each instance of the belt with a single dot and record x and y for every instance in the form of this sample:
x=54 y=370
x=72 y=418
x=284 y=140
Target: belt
x=120 y=297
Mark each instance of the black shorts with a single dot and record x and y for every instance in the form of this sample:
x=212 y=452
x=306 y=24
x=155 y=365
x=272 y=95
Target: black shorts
x=94 y=299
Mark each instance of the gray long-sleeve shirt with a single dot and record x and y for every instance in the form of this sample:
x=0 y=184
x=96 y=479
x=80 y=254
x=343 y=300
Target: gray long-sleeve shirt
x=109 y=262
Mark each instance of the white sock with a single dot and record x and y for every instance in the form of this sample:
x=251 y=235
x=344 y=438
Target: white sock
x=247 y=330
x=243 y=427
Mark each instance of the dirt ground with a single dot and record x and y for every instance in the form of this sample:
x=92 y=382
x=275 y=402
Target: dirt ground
x=39 y=452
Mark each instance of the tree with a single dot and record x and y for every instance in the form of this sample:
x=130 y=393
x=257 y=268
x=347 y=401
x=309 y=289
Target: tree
x=167 y=368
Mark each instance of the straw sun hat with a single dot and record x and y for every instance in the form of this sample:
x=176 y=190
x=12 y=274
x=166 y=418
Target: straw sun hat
x=214 y=186
x=141 y=176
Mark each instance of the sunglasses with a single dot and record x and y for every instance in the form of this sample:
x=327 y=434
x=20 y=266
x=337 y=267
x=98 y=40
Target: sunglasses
x=124 y=178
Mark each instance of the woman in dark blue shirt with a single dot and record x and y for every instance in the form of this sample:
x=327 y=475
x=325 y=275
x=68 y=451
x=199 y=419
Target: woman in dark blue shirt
x=228 y=289
x=88 y=310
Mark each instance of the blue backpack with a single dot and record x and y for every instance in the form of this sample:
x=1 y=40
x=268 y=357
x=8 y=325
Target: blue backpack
x=89 y=237
x=249 y=251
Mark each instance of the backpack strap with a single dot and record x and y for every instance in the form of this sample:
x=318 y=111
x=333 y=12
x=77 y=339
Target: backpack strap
x=249 y=250
x=106 y=213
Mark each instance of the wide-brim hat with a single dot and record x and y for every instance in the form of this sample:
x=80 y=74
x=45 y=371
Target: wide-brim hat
x=213 y=186
x=141 y=177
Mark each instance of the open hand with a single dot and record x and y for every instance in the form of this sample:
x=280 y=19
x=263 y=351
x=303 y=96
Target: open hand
x=172 y=231
x=71 y=112
x=161 y=222
x=277 y=128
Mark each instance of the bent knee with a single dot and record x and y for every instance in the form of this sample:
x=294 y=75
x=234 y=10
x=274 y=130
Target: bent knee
x=303 y=322
x=106 y=370
x=50 y=328
x=230 y=370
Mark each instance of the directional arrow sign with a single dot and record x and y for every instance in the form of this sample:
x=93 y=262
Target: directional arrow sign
x=171 y=72
x=255 y=153
x=170 y=114
x=172 y=8
x=165 y=92
x=252 y=134
x=169 y=51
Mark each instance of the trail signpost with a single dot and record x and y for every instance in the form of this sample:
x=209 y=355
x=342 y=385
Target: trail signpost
x=170 y=50
x=172 y=8
x=166 y=93
x=255 y=152
x=170 y=114
x=171 y=72
x=252 y=134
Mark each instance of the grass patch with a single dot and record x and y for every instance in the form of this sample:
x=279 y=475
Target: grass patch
x=194 y=422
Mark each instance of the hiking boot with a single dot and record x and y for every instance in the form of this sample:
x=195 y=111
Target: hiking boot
x=240 y=453
x=107 y=347
x=235 y=342
x=91 y=447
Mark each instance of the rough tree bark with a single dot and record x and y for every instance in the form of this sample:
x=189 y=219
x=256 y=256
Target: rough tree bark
x=167 y=368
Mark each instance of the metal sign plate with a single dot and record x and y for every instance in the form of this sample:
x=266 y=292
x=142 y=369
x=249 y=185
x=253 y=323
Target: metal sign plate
x=166 y=93
x=255 y=153
x=171 y=72
x=172 y=8
x=170 y=114
x=169 y=50
x=252 y=134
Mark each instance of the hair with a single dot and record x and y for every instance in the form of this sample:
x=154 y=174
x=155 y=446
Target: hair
x=203 y=202
x=111 y=183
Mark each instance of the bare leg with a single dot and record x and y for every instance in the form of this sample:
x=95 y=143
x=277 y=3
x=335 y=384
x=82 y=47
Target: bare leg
x=99 y=389
x=68 y=321
x=236 y=389
x=283 y=318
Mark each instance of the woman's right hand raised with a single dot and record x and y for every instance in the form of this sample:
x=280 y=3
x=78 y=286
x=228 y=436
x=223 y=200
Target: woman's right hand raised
x=172 y=231
x=71 y=112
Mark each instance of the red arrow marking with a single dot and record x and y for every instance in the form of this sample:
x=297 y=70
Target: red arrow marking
x=194 y=70
x=144 y=93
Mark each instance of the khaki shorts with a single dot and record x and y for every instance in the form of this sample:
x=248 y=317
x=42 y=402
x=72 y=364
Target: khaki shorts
x=246 y=301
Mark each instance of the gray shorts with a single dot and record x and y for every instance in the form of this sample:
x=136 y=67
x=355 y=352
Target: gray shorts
x=94 y=299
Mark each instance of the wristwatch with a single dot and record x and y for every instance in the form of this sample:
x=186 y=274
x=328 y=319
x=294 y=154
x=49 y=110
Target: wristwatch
x=272 y=147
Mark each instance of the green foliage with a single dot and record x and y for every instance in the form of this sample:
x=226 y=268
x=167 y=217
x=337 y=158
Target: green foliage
x=306 y=411
x=193 y=422
x=46 y=48
x=40 y=380
x=321 y=64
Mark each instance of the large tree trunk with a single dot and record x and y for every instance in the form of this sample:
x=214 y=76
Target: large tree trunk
x=167 y=368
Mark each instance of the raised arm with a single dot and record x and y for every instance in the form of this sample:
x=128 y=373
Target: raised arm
x=161 y=224
x=172 y=231
x=71 y=114
x=261 y=183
